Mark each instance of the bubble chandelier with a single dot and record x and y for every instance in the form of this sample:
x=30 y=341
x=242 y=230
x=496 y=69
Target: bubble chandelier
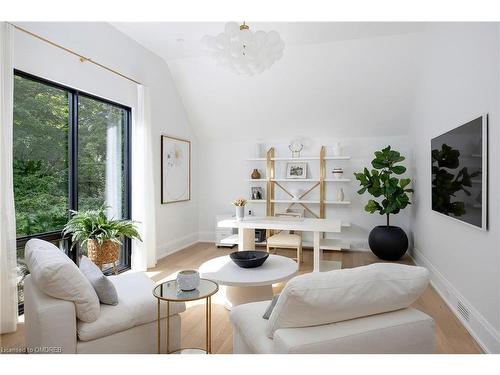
x=243 y=51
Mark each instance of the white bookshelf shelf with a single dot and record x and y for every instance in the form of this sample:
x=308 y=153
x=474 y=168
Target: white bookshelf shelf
x=302 y=158
x=298 y=180
x=256 y=201
x=308 y=201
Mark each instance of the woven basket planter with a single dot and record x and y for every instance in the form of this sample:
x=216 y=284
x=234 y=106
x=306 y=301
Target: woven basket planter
x=108 y=252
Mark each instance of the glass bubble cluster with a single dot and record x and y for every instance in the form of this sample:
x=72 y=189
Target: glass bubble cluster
x=243 y=51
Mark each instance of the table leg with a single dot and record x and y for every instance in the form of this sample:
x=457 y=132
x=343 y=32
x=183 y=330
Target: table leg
x=209 y=325
x=316 y=252
x=206 y=326
x=246 y=239
x=168 y=326
x=159 y=328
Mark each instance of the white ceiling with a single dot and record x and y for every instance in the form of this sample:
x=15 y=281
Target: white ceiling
x=174 y=40
x=334 y=80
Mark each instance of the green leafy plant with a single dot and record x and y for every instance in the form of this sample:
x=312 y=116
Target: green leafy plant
x=94 y=225
x=381 y=183
x=445 y=185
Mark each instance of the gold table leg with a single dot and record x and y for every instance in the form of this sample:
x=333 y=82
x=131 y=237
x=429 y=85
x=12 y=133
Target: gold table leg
x=206 y=326
x=209 y=325
x=159 y=328
x=168 y=326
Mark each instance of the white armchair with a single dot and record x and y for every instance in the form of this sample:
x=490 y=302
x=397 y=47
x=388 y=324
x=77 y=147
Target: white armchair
x=363 y=310
x=52 y=323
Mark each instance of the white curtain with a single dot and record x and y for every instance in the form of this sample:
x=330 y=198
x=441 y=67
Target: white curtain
x=8 y=261
x=143 y=189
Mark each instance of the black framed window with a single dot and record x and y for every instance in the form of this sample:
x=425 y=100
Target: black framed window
x=71 y=152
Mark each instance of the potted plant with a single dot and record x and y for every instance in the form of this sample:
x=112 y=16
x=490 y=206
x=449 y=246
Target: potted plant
x=100 y=235
x=240 y=208
x=386 y=241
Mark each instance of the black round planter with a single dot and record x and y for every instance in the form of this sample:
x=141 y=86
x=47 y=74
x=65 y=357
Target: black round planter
x=388 y=242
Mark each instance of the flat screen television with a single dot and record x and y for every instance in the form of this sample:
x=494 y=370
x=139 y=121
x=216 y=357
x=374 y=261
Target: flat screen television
x=460 y=173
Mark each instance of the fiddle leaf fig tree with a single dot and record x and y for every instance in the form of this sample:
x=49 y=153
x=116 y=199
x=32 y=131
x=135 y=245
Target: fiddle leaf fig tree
x=381 y=182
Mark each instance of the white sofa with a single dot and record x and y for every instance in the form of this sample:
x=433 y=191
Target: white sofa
x=51 y=324
x=364 y=310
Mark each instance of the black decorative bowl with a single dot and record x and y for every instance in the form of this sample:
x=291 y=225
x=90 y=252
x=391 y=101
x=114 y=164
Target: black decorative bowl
x=249 y=258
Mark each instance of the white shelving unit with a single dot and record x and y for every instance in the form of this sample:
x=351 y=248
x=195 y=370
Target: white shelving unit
x=269 y=180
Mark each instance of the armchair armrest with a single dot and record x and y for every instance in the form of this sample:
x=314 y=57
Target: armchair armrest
x=50 y=322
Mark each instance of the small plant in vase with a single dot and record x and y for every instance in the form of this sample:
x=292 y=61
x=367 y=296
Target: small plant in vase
x=240 y=208
x=386 y=241
x=101 y=236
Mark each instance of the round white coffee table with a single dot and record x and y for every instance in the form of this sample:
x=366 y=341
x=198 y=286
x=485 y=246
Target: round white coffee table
x=245 y=285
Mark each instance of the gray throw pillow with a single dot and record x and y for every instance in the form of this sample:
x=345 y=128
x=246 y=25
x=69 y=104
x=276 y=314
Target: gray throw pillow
x=104 y=288
x=270 y=308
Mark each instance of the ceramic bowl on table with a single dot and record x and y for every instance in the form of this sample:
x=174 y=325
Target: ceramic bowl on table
x=249 y=258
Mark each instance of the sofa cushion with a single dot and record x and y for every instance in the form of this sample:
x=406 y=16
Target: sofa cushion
x=247 y=320
x=104 y=288
x=56 y=275
x=135 y=289
x=112 y=319
x=327 y=297
x=136 y=306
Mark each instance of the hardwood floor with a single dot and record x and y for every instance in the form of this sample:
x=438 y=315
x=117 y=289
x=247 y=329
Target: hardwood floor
x=451 y=336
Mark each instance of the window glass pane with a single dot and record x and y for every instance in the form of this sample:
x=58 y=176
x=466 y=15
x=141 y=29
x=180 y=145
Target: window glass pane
x=41 y=118
x=101 y=161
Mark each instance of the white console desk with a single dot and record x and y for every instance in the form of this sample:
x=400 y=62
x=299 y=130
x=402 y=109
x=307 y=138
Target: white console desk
x=246 y=232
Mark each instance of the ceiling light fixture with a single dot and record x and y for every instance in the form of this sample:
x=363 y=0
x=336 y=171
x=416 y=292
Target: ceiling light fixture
x=243 y=51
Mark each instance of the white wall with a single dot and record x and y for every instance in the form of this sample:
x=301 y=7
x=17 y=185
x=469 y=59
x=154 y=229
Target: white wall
x=459 y=81
x=175 y=227
x=223 y=171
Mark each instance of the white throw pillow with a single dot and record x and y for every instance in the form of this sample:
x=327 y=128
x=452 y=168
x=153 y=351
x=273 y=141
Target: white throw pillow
x=328 y=297
x=56 y=275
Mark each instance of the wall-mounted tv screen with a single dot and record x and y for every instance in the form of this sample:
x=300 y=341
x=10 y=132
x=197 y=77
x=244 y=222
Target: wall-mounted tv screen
x=459 y=173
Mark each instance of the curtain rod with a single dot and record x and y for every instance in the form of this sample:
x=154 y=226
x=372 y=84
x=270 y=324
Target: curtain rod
x=81 y=57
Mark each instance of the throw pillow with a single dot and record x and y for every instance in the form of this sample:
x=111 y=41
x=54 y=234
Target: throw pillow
x=58 y=276
x=104 y=288
x=270 y=308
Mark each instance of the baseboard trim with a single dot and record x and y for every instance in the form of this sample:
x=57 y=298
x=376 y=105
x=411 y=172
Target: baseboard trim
x=487 y=337
x=177 y=245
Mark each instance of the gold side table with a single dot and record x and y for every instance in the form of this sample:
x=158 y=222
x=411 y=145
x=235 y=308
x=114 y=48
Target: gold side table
x=169 y=292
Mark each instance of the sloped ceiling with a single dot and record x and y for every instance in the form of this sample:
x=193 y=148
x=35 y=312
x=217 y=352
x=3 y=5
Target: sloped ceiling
x=334 y=80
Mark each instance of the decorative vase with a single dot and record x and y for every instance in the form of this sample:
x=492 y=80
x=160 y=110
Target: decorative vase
x=340 y=195
x=337 y=149
x=388 y=242
x=240 y=212
x=188 y=280
x=337 y=173
x=255 y=174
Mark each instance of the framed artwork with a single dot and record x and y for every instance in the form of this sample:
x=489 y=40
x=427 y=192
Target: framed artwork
x=257 y=193
x=296 y=170
x=175 y=170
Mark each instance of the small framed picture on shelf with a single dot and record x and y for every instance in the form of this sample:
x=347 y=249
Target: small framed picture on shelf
x=257 y=193
x=296 y=170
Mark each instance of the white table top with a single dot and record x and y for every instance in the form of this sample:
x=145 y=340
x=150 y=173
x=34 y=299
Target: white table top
x=223 y=271
x=281 y=223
